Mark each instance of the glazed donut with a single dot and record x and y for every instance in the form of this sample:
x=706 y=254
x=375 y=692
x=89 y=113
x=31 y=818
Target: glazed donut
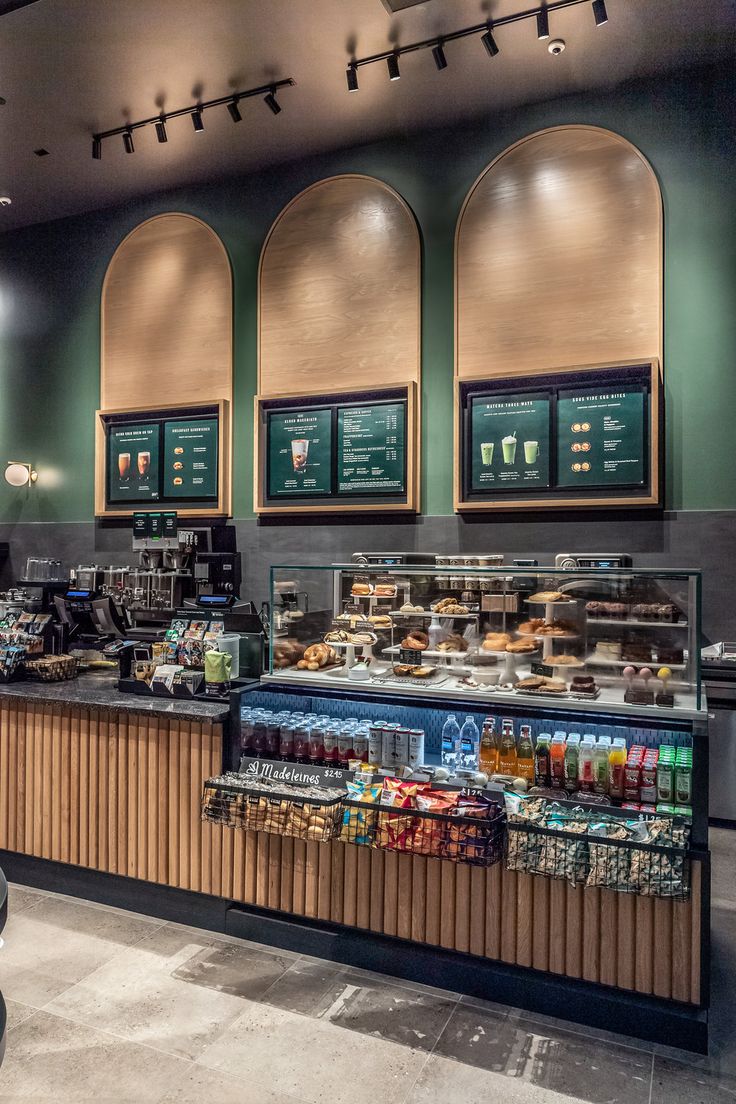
x=415 y=641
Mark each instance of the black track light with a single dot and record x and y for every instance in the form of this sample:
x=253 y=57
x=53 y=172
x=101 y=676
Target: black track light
x=197 y=121
x=490 y=43
x=234 y=111
x=439 y=56
x=599 y=13
x=392 y=61
x=272 y=102
x=97 y=149
x=542 y=23
x=352 y=78
x=161 y=130
x=128 y=141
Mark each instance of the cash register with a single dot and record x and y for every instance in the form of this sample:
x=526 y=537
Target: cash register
x=90 y=617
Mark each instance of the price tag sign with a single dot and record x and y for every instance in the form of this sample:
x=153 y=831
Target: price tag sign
x=411 y=656
x=304 y=774
x=543 y=669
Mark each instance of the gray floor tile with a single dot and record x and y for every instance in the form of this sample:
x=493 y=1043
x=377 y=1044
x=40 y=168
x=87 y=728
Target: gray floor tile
x=303 y=987
x=378 y=1007
x=17 y=1013
x=242 y=971
x=443 y=1081
x=144 y=994
x=555 y=1023
x=22 y=897
x=51 y=1059
x=677 y=1083
x=196 y=1085
x=602 y=1073
x=55 y=944
x=312 y=1059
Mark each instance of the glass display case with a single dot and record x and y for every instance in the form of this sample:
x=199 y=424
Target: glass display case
x=623 y=639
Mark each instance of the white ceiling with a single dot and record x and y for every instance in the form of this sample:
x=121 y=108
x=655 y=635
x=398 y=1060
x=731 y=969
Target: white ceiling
x=72 y=67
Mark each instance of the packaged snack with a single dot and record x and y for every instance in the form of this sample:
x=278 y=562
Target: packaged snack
x=217 y=667
x=359 y=824
x=196 y=630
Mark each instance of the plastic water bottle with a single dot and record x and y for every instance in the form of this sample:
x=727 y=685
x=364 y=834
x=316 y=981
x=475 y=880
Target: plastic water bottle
x=450 y=743
x=469 y=745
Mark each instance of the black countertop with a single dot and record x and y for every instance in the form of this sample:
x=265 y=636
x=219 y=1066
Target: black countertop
x=100 y=689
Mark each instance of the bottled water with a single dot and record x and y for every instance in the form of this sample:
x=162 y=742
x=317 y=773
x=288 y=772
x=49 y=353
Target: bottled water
x=469 y=745
x=450 y=743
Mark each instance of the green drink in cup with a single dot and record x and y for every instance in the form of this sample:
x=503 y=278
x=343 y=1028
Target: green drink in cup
x=508 y=444
x=486 y=453
x=531 y=452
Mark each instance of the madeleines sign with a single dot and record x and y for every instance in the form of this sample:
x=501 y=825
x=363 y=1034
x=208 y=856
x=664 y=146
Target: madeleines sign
x=587 y=437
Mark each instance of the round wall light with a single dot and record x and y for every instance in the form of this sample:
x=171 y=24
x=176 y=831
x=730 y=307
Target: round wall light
x=19 y=475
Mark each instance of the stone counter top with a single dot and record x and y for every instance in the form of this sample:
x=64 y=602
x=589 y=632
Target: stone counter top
x=99 y=689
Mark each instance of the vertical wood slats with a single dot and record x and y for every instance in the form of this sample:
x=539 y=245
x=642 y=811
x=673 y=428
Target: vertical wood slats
x=120 y=792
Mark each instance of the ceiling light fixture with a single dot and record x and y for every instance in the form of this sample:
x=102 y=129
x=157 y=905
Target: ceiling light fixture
x=128 y=142
x=541 y=13
x=195 y=112
x=490 y=43
x=439 y=56
x=599 y=13
x=272 y=102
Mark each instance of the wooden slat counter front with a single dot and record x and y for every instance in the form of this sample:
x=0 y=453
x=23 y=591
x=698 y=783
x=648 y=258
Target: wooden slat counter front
x=113 y=782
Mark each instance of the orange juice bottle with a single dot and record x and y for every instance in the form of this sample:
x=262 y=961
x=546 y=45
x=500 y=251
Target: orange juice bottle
x=489 y=748
x=616 y=766
x=557 y=762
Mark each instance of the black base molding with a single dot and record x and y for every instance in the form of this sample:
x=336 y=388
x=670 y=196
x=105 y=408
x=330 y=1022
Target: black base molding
x=580 y=1002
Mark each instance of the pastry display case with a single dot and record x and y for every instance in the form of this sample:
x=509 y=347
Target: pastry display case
x=624 y=639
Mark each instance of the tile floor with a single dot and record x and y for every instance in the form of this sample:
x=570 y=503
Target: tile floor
x=115 y=1008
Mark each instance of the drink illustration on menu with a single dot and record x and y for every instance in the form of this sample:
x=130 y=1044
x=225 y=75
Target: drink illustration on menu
x=510 y=442
x=600 y=437
x=299 y=446
x=133 y=463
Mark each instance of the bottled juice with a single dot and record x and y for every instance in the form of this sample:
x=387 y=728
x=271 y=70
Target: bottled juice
x=507 y=762
x=525 y=755
x=489 y=747
x=600 y=765
x=616 y=765
x=557 y=762
x=541 y=760
x=572 y=754
x=585 y=764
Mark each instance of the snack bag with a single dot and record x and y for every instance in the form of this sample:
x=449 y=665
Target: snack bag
x=358 y=824
x=217 y=666
x=430 y=834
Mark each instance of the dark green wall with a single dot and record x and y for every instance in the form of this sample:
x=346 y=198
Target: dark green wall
x=50 y=279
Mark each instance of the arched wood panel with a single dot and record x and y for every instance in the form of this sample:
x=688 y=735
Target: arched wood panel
x=167 y=317
x=558 y=257
x=339 y=291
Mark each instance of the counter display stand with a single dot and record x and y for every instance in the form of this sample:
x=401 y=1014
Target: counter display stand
x=568 y=923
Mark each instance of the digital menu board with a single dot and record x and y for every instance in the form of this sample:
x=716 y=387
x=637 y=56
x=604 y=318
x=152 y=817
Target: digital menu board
x=600 y=437
x=133 y=462
x=299 y=448
x=190 y=458
x=509 y=442
x=371 y=448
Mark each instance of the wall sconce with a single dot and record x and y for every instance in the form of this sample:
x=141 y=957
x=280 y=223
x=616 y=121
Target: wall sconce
x=18 y=474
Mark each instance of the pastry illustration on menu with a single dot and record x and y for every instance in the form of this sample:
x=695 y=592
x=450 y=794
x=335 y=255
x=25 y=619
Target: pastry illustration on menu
x=600 y=436
x=190 y=458
x=510 y=441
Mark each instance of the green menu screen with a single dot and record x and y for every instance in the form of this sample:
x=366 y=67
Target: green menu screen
x=190 y=458
x=133 y=463
x=509 y=442
x=600 y=437
x=299 y=452
x=371 y=449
